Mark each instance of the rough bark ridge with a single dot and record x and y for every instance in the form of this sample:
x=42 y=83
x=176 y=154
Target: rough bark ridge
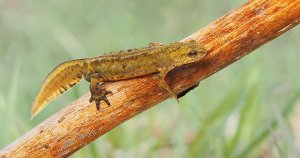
x=227 y=40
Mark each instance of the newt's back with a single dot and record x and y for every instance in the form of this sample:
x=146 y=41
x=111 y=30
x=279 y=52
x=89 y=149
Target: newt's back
x=116 y=66
x=127 y=64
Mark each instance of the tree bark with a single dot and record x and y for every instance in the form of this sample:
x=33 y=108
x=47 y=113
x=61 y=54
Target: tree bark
x=227 y=40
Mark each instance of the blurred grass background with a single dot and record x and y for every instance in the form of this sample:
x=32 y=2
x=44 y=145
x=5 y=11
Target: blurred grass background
x=250 y=108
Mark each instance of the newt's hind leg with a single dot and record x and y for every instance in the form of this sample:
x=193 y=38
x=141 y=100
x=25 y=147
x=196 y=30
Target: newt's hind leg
x=98 y=94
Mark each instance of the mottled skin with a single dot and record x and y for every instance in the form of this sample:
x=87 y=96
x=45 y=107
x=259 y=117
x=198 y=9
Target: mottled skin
x=116 y=66
x=133 y=63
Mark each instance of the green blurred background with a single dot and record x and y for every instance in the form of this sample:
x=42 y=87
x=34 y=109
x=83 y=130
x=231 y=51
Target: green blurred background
x=249 y=108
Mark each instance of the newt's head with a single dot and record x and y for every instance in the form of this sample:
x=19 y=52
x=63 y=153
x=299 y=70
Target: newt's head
x=188 y=52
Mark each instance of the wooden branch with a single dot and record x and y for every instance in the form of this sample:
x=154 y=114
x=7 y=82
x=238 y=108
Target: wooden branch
x=227 y=40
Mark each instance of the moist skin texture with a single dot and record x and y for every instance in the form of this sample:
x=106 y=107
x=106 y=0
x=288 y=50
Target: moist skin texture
x=114 y=66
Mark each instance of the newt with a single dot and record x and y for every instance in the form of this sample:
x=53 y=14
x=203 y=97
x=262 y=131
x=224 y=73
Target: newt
x=115 y=66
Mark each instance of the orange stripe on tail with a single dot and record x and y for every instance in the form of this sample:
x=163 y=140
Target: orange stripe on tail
x=59 y=80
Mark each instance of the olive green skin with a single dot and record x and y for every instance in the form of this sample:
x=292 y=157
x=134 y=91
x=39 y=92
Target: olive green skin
x=127 y=64
x=114 y=66
x=130 y=63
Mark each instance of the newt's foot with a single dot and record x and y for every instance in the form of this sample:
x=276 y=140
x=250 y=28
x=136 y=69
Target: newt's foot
x=163 y=85
x=99 y=94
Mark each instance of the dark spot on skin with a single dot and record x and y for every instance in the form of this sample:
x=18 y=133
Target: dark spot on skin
x=123 y=66
x=183 y=93
x=192 y=53
x=129 y=50
x=41 y=131
x=65 y=88
x=46 y=146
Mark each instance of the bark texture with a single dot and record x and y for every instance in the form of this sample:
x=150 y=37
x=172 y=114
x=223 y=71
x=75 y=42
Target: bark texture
x=227 y=40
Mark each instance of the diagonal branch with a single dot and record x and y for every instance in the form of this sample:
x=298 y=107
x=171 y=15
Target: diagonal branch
x=227 y=40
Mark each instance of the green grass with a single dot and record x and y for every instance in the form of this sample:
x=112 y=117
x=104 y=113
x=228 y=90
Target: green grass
x=244 y=110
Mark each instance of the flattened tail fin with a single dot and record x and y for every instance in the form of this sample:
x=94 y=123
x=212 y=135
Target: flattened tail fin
x=60 y=79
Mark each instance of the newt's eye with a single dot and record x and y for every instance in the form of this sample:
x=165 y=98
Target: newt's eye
x=192 y=53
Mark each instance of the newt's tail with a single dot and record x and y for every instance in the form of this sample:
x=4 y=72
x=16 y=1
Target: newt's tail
x=59 y=80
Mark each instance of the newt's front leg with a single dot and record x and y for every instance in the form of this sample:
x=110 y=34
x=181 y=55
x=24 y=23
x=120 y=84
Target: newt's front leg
x=163 y=84
x=98 y=94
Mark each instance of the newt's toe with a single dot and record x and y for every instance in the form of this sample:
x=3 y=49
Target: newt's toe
x=97 y=104
x=98 y=95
